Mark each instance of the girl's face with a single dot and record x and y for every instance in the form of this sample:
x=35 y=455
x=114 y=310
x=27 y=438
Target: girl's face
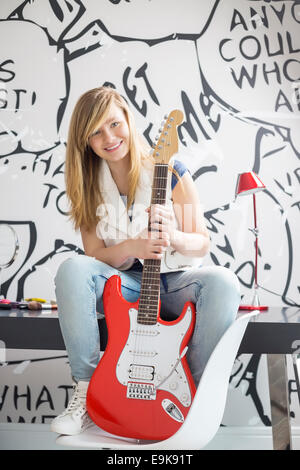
x=111 y=140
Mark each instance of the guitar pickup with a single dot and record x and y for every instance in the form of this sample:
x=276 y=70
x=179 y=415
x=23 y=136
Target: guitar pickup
x=141 y=372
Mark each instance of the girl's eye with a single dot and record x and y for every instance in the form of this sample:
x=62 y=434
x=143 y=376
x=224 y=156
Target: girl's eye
x=98 y=131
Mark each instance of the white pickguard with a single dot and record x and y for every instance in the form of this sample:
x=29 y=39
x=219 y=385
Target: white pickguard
x=151 y=356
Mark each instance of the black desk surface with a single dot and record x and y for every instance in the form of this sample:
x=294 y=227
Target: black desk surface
x=273 y=331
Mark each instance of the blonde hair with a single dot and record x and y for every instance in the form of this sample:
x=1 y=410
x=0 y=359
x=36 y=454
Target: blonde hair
x=82 y=165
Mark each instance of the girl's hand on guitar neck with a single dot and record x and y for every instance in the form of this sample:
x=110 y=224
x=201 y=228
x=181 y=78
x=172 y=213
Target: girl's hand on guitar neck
x=149 y=245
x=162 y=220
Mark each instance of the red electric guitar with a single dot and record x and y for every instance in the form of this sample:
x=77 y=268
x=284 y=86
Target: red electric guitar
x=142 y=387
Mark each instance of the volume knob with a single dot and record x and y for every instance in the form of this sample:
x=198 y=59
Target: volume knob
x=184 y=397
x=173 y=385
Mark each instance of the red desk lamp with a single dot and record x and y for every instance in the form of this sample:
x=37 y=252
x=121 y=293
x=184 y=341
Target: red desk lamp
x=249 y=183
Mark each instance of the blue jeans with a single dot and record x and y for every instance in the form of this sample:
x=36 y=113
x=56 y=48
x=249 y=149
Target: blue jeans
x=79 y=286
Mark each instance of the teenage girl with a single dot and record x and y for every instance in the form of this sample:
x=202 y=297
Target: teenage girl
x=108 y=182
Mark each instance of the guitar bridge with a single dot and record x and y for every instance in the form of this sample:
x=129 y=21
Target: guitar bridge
x=141 y=391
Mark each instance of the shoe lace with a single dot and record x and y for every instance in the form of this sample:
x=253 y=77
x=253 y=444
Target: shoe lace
x=77 y=402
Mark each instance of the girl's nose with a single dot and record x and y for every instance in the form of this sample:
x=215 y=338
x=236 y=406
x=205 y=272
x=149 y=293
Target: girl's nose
x=108 y=135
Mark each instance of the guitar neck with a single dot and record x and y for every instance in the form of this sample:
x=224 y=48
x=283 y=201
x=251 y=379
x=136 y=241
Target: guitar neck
x=150 y=284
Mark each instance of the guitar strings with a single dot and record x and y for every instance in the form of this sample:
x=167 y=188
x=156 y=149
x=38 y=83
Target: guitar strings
x=143 y=339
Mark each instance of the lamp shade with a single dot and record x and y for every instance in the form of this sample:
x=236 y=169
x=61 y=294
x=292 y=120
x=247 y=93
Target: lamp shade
x=248 y=183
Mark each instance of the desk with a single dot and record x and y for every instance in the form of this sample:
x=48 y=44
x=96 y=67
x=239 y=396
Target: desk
x=275 y=332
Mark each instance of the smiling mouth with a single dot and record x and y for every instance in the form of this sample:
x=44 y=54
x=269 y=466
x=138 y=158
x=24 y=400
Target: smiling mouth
x=114 y=147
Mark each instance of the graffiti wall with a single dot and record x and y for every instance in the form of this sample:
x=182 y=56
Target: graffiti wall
x=234 y=70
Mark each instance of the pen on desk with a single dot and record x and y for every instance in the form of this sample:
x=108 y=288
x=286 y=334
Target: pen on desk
x=9 y=305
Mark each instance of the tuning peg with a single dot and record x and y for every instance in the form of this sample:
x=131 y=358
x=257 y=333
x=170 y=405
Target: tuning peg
x=165 y=116
x=157 y=137
x=160 y=129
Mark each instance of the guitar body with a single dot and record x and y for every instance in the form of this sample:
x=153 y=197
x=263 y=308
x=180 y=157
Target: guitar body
x=142 y=388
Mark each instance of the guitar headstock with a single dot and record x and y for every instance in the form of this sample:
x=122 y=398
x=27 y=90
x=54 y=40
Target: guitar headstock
x=167 y=143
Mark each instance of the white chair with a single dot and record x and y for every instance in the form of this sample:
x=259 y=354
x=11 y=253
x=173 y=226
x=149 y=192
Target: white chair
x=206 y=412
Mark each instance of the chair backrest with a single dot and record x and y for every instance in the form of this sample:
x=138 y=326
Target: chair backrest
x=206 y=412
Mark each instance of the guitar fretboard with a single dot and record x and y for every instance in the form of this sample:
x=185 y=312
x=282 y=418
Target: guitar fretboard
x=150 y=284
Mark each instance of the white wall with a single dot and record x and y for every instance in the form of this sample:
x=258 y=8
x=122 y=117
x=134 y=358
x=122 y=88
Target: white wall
x=232 y=67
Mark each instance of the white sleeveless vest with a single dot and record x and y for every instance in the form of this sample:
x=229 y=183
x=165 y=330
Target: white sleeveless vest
x=115 y=226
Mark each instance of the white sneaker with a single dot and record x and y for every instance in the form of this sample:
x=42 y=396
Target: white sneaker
x=75 y=418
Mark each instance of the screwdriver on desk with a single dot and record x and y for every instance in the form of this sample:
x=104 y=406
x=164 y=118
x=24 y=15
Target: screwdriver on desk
x=33 y=305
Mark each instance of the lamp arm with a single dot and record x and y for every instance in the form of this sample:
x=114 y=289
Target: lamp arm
x=255 y=231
